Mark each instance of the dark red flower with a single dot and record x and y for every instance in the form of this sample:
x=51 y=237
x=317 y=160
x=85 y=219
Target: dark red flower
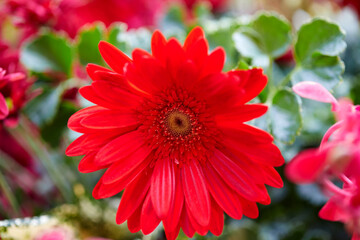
x=169 y=127
x=71 y=15
x=216 y=5
x=13 y=87
x=355 y=4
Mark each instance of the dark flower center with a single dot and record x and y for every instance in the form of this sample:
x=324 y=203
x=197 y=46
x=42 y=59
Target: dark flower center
x=178 y=126
x=178 y=123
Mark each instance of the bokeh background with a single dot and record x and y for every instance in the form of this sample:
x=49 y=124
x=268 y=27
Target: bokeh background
x=42 y=194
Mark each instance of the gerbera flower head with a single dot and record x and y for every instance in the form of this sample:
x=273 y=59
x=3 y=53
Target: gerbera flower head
x=169 y=127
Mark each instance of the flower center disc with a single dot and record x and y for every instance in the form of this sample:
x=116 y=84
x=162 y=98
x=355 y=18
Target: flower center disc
x=178 y=123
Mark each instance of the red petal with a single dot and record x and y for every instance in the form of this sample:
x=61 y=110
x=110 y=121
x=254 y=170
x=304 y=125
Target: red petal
x=133 y=222
x=151 y=72
x=115 y=58
x=133 y=196
x=250 y=208
x=240 y=114
x=129 y=167
x=215 y=88
x=115 y=95
x=272 y=177
x=75 y=148
x=175 y=56
x=198 y=52
x=264 y=195
x=237 y=134
x=120 y=147
x=88 y=93
x=214 y=63
x=4 y=110
x=89 y=142
x=253 y=169
x=187 y=74
x=158 y=43
x=201 y=230
x=233 y=175
x=74 y=120
x=172 y=221
x=92 y=68
x=88 y=164
x=252 y=82
x=149 y=220
x=109 y=119
x=264 y=153
x=217 y=219
x=195 y=34
x=306 y=166
x=172 y=235
x=186 y=224
x=102 y=190
x=332 y=212
x=111 y=77
x=163 y=187
x=227 y=198
x=196 y=193
x=136 y=80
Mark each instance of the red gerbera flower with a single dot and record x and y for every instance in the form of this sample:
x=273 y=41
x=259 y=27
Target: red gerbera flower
x=169 y=128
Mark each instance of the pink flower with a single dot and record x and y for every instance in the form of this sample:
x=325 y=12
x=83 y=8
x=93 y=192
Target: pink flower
x=338 y=152
x=56 y=233
x=344 y=205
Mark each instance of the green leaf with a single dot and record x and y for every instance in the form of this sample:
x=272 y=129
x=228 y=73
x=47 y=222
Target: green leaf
x=87 y=46
x=127 y=40
x=323 y=69
x=219 y=33
x=47 y=52
x=274 y=33
x=54 y=130
x=317 y=50
x=172 y=23
x=284 y=115
x=43 y=108
x=115 y=30
x=319 y=37
x=266 y=37
x=202 y=11
x=242 y=65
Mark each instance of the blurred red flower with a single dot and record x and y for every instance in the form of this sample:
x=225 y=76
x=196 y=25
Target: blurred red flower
x=14 y=93
x=355 y=4
x=13 y=87
x=169 y=128
x=216 y=5
x=70 y=15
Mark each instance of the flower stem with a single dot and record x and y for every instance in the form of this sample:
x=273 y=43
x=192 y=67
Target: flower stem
x=9 y=195
x=26 y=131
